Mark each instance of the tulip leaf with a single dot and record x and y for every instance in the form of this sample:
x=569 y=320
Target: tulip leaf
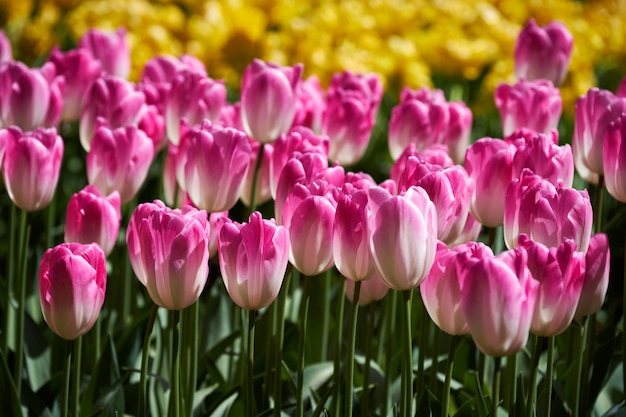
x=10 y=400
x=618 y=410
x=105 y=394
x=223 y=408
x=37 y=354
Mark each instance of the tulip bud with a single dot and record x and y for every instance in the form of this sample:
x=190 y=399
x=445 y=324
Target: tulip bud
x=31 y=167
x=614 y=159
x=596 y=282
x=253 y=260
x=72 y=285
x=310 y=105
x=268 y=99
x=110 y=48
x=92 y=217
x=168 y=250
x=119 y=160
x=533 y=105
x=543 y=52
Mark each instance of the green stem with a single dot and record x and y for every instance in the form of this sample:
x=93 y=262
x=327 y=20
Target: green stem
x=389 y=318
x=145 y=354
x=598 y=207
x=7 y=308
x=21 y=306
x=255 y=178
x=351 y=345
x=497 y=373
x=434 y=367
x=549 y=376
x=341 y=299
x=324 y=309
x=189 y=355
x=250 y=362
x=270 y=340
x=533 y=374
x=445 y=402
x=371 y=321
x=424 y=331
x=67 y=371
x=590 y=344
x=510 y=387
x=580 y=349
x=304 y=311
x=76 y=375
x=280 y=334
x=175 y=375
x=407 y=358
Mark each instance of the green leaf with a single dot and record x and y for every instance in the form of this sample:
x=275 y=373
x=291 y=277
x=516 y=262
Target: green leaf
x=10 y=400
x=37 y=354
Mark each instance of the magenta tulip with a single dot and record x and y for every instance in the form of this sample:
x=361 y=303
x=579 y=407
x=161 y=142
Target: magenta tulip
x=621 y=88
x=72 y=285
x=80 y=69
x=351 y=105
x=443 y=287
x=6 y=52
x=403 y=238
x=299 y=139
x=594 y=112
x=543 y=52
x=263 y=192
x=614 y=159
x=596 y=282
x=560 y=272
x=253 y=260
x=489 y=163
x=110 y=48
x=310 y=105
x=119 y=160
x=193 y=97
x=93 y=217
x=436 y=154
x=112 y=102
x=31 y=167
x=498 y=300
x=373 y=289
x=268 y=99
x=30 y=97
x=533 y=105
x=215 y=162
x=168 y=250
x=548 y=214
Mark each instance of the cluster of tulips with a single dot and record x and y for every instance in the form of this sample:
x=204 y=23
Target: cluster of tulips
x=419 y=229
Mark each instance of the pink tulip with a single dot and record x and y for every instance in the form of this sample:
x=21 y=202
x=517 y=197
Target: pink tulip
x=268 y=99
x=30 y=97
x=351 y=251
x=614 y=159
x=253 y=260
x=533 y=105
x=596 y=282
x=31 y=167
x=119 y=160
x=193 y=97
x=450 y=189
x=110 y=48
x=459 y=128
x=80 y=69
x=308 y=214
x=436 y=154
x=152 y=122
x=470 y=233
x=489 y=163
x=301 y=168
x=548 y=214
x=216 y=220
x=403 y=238
x=72 y=285
x=299 y=139
x=351 y=106
x=594 y=112
x=621 y=88
x=92 y=217
x=443 y=287
x=215 y=164
x=543 y=52
x=6 y=52
x=112 y=102
x=310 y=105
x=372 y=290
x=498 y=300
x=168 y=250
x=541 y=155
x=560 y=272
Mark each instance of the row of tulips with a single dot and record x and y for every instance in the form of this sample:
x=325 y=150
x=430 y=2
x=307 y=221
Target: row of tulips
x=420 y=228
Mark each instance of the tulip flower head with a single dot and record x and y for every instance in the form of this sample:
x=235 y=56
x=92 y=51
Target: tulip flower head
x=110 y=48
x=614 y=158
x=372 y=290
x=31 y=166
x=543 y=52
x=253 y=260
x=93 y=217
x=596 y=281
x=268 y=99
x=168 y=250
x=310 y=105
x=6 y=51
x=72 y=285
